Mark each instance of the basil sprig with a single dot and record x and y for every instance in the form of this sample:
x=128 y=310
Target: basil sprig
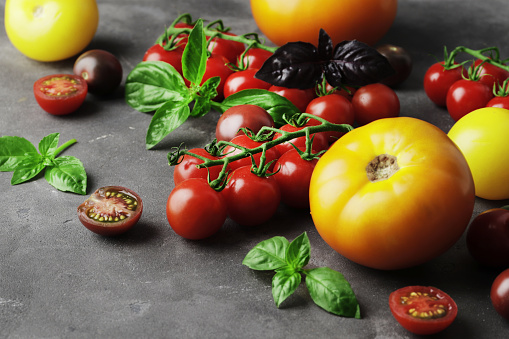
x=20 y=156
x=328 y=288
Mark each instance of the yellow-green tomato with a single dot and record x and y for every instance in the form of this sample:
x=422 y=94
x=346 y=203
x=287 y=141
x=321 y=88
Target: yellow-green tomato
x=51 y=30
x=482 y=136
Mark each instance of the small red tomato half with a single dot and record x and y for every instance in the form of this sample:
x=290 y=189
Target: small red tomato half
x=111 y=210
x=422 y=309
x=466 y=96
x=242 y=116
x=373 y=102
x=499 y=294
x=60 y=94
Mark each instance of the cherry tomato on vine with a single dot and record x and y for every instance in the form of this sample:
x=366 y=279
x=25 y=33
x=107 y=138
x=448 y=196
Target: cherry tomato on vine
x=101 y=70
x=245 y=141
x=254 y=58
x=230 y=49
x=251 y=199
x=373 y=102
x=242 y=116
x=438 y=80
x=299 y=97
x=186 y=168
x=241 y=80
x=491 y=74
x=195 y=210
x=60 y=94
x=400 y=60
x=320 y=141
x=423 y=310
x=499 y=102
x=499 y=294
x=217 y=65
x=111 y=210
x=466 y=96
x=173 y=57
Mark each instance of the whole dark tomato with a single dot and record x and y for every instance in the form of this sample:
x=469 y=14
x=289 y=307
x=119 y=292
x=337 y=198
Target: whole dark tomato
x=251 y=199
x=373 y=102
x=186 y=168
x=217 y=65
x=60 y=94
x=242 y=116
x=299 y=97
x=293 y=174
x=254 y=58
x=499 y=294
x=245 y=141
x=488 y=238
x=499 y=101
x=465 y=96
x=173 y=57
x=101 y=70
x=400 y=60
x=195 y=210
x=230 y=49
x=320 y=141
x=490 y=74
x=111 y=210
x=438 y=80
x=334 y=108
x=241 y=80
x=423 y=310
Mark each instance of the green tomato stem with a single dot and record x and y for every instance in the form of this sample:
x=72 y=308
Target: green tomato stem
x=64 y=146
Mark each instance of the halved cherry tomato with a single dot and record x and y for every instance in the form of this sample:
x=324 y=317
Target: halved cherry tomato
x=60 y=94
x=111 y=210
x=422 y=309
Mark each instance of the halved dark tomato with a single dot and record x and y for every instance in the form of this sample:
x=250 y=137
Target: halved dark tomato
x=111 y=210
x=422 y=309
x=60 y=94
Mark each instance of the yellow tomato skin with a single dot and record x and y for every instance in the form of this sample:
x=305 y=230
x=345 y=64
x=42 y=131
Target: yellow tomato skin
x=283 y=21
x=482 y=137
x=51 y=30
x=404 y=220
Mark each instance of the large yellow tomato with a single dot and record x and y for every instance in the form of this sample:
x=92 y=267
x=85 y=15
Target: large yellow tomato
x=285 y=21
x=392 y=194
x=51 y=30
x=482 y=137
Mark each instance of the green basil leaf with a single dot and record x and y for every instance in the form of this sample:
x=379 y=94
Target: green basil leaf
x=194 y=58
x=276 y=105
x=153 y=83
x=48 y=145
x=299 y=251
x=27 y=168
x=284 y=283
x=202 y=101
x=13 y=150
x=267 y=255
x=330 y=290
x=66 y=173
x=166 y=119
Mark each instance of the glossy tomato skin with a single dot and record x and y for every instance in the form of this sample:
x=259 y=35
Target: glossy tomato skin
x=482 y=137
x=242 y=116
x=195 y=210
x=241 y=80
x=186 y=168
x=320 y=141
x=373 y=102
x=499 y=294
x=488 y=238
x=60 y=94
x=172 y=57
x=101 y=70
x=466 y=96
x=301 y=20
x=490 y=74
x=500 y=102
x=217 y=65
x=230 y=49
x=408 y=303
x=299 y=97
x=369 y=200
x=48 y=30
x=251 y=199
x=401 y=62
x=438 y=80
x=254 y=58
x=243 y=140
x=111 y=210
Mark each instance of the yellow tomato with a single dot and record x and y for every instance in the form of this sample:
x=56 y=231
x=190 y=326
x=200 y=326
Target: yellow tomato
x=285 y=21
x=51 y=30
x=392 y=194
x=482 y=137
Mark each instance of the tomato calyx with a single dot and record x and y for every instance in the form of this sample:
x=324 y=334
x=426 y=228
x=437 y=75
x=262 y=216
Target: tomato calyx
x=382 y=167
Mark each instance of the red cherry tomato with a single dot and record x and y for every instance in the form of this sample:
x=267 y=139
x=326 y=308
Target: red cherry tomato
x=195 y=210
x=299 y=97
x=438 y=80
x=217 y=65
x=500 y=102
x=373 y=102
x=320 y=141
x=491 y=74
x=186 y=168
x=465 y=96
x=244 y=141
x=347 y=92
x=254 y=58
x=251 y=199
x=242 y=116
x=499 y=294
x=60 y=94
x=173 y=57
x=293 y=175
x=231 y=50
x=423 y=310
x=241 y=80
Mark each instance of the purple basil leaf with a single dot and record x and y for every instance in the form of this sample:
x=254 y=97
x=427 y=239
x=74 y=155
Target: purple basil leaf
x=325 y=46
x=354 y=63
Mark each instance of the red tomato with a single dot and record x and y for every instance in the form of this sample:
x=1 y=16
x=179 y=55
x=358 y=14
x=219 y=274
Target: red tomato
x=499 y=294
x=320 y=141
x=347 y=92
x=465 y=96
x=500 y=102
x=334 y=108
x=173 y=57
x=60 y=94
x=373 y=102
x=251 y=199
x=242 y=116
x=244 y=141
x=241 y=80
x=293 y=174
x=186 y=168
x=195 y=210
x=254 y=58
x=217 y=65
x=299 y=97
x=231 y=50
x=491 y=74
x=422 y=310
x=438 y=80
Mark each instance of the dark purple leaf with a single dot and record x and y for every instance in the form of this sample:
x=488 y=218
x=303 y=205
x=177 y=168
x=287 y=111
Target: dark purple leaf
x=325 y=46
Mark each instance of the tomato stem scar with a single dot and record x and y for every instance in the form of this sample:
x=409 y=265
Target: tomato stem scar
x=382 y=167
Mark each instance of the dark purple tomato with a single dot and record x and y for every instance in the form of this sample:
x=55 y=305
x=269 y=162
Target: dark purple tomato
x=242 y=116
x=400 y=60
x=101 y=70
x=500 y=294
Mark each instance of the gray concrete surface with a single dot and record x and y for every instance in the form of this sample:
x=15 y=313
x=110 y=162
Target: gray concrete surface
x=58 y=280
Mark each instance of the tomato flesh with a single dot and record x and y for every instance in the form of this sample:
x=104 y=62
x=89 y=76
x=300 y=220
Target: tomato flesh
x=60 y=94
